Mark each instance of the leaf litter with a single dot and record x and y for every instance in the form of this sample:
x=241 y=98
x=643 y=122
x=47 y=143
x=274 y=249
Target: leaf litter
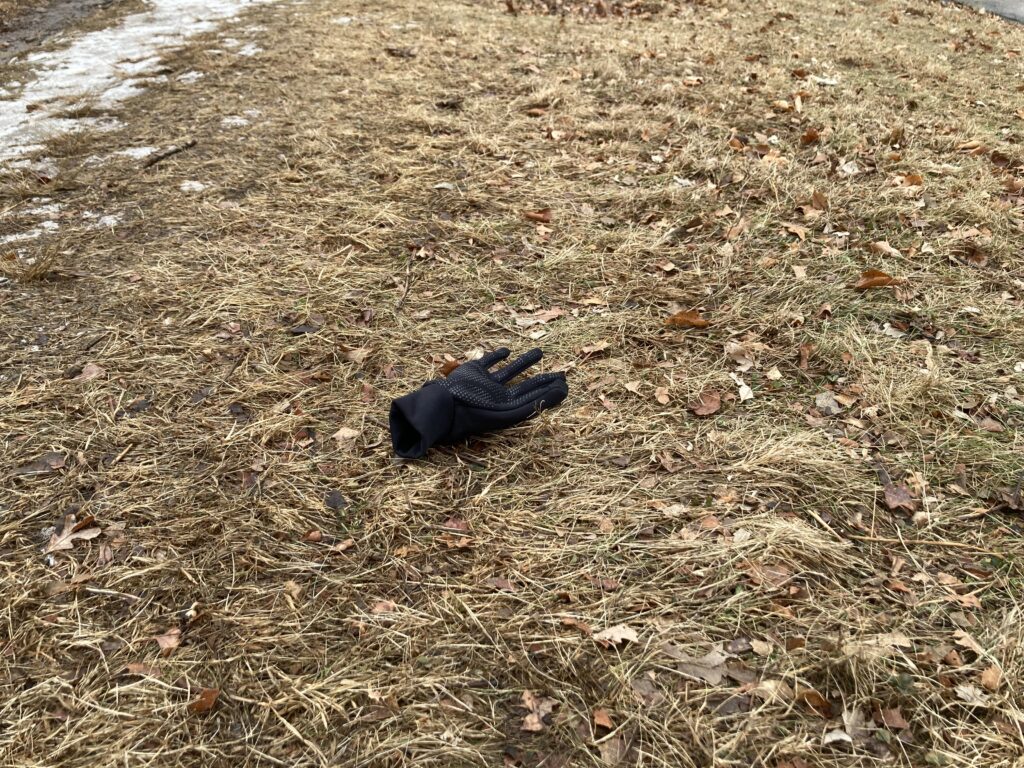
x=404 y=273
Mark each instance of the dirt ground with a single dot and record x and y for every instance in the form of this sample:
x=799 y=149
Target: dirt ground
x=782 y=530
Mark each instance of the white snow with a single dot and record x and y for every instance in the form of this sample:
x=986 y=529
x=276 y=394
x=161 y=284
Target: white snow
x=31 y=234
x=97 y=64
x=249 y=49
x=47 y=209
x=192 y=186
x=190 y=77
x=342 y=20
x=44 y=166
x=234 y=121
x=136 y=153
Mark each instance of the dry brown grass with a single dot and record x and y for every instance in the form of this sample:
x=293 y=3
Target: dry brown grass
x=380 y=632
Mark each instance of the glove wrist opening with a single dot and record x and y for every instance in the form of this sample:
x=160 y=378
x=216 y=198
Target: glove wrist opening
x=421 y=420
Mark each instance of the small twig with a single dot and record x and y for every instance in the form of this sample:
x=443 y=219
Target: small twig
x=122 y=454
x=152 y=160
x=1015 y=496
x=408 y=284
x=927 y=543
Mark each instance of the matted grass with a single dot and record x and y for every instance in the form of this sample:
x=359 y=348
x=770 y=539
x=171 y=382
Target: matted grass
x=355 y=610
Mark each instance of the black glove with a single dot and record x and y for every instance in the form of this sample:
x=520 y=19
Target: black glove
x=472 y=401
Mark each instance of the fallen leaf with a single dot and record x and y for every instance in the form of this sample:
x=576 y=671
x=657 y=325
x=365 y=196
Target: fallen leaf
x=72 y=531
x=710 y=667
x=893 y=719
x=138 y=668
x=545 y=316
x=89 y=372
x=169 y=640
x=817 y=704
x=772 y=689
x=633 y=386
x=502 y=585
x=741 y=354
x=205 y=701
x=593 y=349
x=538 y=707
x=810 y=136
x=615 y=635
x=603 y=719
x=760 y=647
x=964 y=639
x=354 y=355
x=582 y=626
x=661 y=395
x=806 y=350
x=746 y=393
x=448 y=366
x=707 y=403
x=826 y=403
x=737 y=229
x=898 y=497
x=991 y=677
x=913 y=180
x=384 y=606
x=614 y=751
x=884 y=248
x=343 y=546
x=972 y=695
x=45 y=464
x=686 y=319
x=774 y=374
x=335 y=500
x=836 y=735
x=874 y=278
x=646 y=691
x=799 y=273
x=877 y=646
x=345 y=434
x=543 y=215
x=989 y=424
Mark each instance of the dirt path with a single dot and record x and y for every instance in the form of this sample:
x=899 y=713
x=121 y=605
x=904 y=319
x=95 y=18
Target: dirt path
x=788 y=538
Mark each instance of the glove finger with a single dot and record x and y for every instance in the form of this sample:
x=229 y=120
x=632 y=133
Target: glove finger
x=543 y=388
x=493 y=358
x=519 y=365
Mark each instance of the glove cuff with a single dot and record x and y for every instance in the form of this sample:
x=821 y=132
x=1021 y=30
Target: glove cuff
x=421 y=419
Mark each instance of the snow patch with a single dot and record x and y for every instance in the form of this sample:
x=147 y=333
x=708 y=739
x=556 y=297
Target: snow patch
x=95 y=65
x=343 y=21
x=47 y=209
x=249 y=49
x=43 y=166
x=136 y=153
x=190 y=77
x=31 y=234
x=234 y=121
x=192 y=186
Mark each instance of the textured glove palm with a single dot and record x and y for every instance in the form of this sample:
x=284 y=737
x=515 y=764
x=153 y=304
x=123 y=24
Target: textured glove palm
x=472 y=401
